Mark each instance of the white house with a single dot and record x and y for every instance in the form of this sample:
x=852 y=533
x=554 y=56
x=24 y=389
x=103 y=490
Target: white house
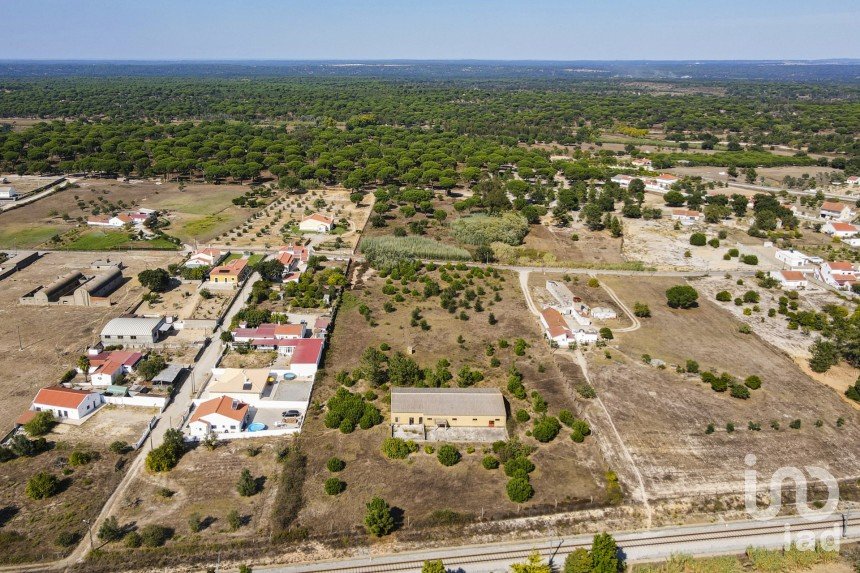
x=66 y=402
x=686 y=216
x=134 y=330
x=244 y=384
x=854 y=180
x=222 y=415
x=8 y=192
x=622 y=180
x=661 y=183
x=204 y=258
x=838 y=274
x=794 y=258
x=642 y=162
x=836 y=211
x=107 y=367
x=790 y=280
x=839 y=230
x=556 y=328
x=603 y=313
x=317 y=223
x=269 y=333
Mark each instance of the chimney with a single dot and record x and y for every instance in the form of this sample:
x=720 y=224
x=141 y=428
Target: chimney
x=235 y=404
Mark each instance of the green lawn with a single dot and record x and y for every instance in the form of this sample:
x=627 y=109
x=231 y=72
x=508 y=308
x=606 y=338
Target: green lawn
x=27 y=236
x=231 y=257
x=254 y=259
x=114 y=240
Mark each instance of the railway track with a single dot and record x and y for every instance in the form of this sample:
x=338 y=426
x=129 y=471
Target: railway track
x=558 y=549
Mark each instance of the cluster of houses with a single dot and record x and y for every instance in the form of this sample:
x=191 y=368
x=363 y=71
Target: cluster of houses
x=569 y=319
x=135 y=218
x=840 y=275
x=660 y=184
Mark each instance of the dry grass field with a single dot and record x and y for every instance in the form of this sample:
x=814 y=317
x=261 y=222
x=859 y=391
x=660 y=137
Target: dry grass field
x=216 y=473
x=553 y=244
x=662 y=415
x=185 y=302
x=29 y=528
x=566 y=472
x=52 y=337
x=199 y=211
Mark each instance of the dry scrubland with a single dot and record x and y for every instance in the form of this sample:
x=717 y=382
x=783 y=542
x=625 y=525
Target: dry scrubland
x=662 y=415
x=53 y=337
x=30 y=528
x=566 y=471
x=199 y=211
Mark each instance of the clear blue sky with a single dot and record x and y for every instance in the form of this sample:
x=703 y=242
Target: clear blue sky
x=429 y=29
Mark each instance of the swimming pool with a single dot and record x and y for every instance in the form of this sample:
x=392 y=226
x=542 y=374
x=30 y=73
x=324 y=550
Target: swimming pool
x=256 y=427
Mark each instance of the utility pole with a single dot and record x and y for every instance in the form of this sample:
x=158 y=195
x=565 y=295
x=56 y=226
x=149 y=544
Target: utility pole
x=90 y=529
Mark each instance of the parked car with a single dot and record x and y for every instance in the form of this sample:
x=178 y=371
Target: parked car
x=291 y=414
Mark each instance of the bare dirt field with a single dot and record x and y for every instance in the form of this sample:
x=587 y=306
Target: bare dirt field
x=110 y=423
x=554 y=245
x=30 y=528
x=52 y=337
x=199 y=211
x=185 y=302
x=566 y=472
x=662 y=415
x=216 y=472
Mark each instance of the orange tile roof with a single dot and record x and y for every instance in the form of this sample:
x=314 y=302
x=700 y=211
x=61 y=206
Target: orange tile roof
x=841 y=266
x=222 y=406
x=837 y=226
x=319 y=217
x=26 y=417
x=234 y=267
x=686 y=213
x=555 y=322
x=666 y=177
x=793 y=275
x=61 y=397
x=832 y=206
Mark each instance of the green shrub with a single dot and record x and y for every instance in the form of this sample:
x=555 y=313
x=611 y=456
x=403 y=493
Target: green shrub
x=739 y=391
x=698 y=239
x=119 y=447
x=41 y=424
x=753 y=382
x=397 y=448
x=519 y=490
x=155 y=535
x=724 y=296
x=247 y=485
x=334 y=486
x=581 y=429
x=519 y=466
x=43 y=485
x=522 y=416
x=67 y=539
x=335 y=464
x=234 y=520
x=448 y=455
x=81 y=458
x=490 y=462
x=378 y=520
x=546 y=429
x=566 y=418
x=110 y=530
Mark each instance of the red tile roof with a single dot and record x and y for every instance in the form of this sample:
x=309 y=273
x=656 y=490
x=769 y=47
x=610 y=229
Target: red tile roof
x=222 y=406
x=843 y=227
x=233 y=268
x=319 y=217
x=840 y=266
x=61 y=397
x=308 y=351
x=686 y=213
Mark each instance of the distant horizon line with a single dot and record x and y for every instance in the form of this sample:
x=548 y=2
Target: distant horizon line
x=834 y=60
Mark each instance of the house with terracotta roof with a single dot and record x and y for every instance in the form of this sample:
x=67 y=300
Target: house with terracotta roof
x=106 y=367
x=222 y=415
x=839 y=274
x=853 y=180
x=836 y=211
x=839 y=230
x=686 y=216
x=204 y=258
x=790 y=280
x=66 y=403
x=317 y=223
x=231 y=273
x=661 y=183
x=556 y=328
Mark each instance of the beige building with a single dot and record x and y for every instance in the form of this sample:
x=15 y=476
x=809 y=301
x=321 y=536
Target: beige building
x=245 y=384
x=448 y=407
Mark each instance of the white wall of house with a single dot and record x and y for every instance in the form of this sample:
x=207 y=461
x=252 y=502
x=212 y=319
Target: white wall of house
x=87 y=406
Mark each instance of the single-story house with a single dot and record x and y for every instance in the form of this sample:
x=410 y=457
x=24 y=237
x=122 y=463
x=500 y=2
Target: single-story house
x=794 y=258
x=302 y=254
x=106 y=367
x=853 y=180
x=641 y=162
x=246 y=384
x=836 y=211
x=305 y=353
x=222 y=415
x=622 y=180
x=204 y=258
x=66 y=402
x=838 y=274
x=448 y=407
x=270 y=331
x=8 y=192
x=134 y=330
x=839 y=230
x=686 y=215
x=231 y=273
x=790 y=280
x=556 y=328
x=317 y=223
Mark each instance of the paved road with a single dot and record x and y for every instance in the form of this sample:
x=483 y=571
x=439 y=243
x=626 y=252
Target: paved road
x=655 y=544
